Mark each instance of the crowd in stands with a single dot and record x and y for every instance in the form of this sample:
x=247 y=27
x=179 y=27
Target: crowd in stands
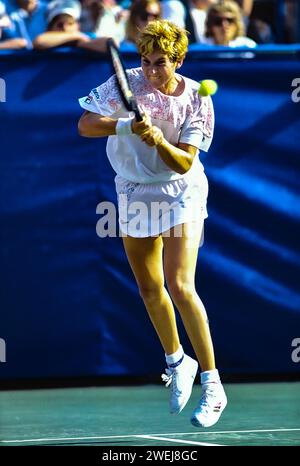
x=87 y=24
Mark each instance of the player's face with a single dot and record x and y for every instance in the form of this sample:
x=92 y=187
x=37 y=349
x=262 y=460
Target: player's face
x=158 y=69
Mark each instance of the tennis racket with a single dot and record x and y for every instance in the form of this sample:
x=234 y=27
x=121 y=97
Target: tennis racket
x=123 y=81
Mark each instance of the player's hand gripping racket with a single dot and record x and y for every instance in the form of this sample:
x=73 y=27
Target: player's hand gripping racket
x=123 y=81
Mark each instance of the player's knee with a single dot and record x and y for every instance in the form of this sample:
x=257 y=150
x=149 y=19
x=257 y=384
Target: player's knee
x=150 y=292
x=181 y=291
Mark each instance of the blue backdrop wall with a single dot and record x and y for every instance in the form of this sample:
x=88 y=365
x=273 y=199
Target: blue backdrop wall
x=69 y=304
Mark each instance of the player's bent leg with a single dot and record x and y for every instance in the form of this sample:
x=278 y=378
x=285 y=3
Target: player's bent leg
x=145 y=258
x=180 y=261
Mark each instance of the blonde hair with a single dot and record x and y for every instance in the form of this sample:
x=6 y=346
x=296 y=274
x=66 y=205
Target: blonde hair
x=221 y=8
x=165 y=36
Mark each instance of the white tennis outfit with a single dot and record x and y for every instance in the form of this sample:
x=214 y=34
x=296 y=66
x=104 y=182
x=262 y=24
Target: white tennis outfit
x=152 y=198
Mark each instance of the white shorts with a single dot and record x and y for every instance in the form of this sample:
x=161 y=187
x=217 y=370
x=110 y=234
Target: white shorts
x=153 y=208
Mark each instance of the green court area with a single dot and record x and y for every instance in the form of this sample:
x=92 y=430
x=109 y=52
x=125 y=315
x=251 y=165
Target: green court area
x=256 y=414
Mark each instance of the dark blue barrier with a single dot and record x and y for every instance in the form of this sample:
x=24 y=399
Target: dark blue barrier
x=69 y=304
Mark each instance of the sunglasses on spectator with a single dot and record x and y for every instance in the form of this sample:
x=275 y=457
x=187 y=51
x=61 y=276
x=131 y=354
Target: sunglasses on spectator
x=219 y=20
x=146 y=16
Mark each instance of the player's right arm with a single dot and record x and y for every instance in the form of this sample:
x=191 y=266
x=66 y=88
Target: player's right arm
x=102 y=106
x=93 y=125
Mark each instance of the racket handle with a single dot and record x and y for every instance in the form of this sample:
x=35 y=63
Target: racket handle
x=138 y=115
x=137 y=112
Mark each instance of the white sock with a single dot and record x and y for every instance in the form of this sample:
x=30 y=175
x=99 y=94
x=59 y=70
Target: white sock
x=210 y=376
x=175 y=359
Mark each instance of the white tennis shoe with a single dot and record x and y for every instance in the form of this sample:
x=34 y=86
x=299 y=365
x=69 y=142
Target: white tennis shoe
x=211 y=405
x=181 y=379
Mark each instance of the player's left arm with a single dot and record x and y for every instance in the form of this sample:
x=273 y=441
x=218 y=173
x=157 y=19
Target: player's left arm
x=195 y=134
x=179 y=158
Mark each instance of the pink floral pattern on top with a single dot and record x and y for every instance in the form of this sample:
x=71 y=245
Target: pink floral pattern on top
x=187 y=118
x=189 y=107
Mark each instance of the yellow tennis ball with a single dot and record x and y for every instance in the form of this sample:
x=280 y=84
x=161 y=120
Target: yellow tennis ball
x=207 y=87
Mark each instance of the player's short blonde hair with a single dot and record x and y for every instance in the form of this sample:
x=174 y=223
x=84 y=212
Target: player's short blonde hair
x=165 y=36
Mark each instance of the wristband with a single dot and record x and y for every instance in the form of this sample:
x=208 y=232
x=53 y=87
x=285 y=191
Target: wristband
x=123 y=126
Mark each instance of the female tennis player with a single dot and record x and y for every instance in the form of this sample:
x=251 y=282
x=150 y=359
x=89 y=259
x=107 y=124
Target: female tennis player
x=158 y=173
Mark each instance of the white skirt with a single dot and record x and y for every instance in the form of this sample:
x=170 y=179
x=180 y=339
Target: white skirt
x=153 y=208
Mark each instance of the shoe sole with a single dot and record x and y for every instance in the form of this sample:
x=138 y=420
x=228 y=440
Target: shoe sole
x=194 y=372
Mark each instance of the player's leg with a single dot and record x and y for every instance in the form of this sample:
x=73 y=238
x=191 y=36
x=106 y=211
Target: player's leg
x=180 y=260
x=145 y=258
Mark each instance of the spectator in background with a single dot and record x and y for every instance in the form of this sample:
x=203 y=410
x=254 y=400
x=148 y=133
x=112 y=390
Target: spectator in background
x=8 y=38
x=224 y=26
x=64 y=30
x=195 y=17
x=262 y=22
x=246 y=6
x=29 y=19
x=292 y=23
x=173 y=10
x=140 y=14
x=104 y=17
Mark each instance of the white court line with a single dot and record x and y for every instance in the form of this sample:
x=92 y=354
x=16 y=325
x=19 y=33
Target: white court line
x=152 y=437
x=68 y=438
x=139 y=435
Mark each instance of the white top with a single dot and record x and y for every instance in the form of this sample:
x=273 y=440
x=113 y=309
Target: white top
x=188 y=118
